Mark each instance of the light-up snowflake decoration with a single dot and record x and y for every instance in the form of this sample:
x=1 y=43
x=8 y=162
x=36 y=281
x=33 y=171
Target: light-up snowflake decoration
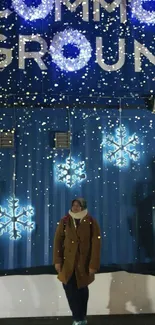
x=73 y=37
x=144 y=16
x=71 y=172
x=14 y=219
x=33 y=13
x=122 y=147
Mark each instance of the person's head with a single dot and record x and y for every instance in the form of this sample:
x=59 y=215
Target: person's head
x=78 y=205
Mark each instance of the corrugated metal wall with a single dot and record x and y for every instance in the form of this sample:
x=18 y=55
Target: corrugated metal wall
x=120 y=198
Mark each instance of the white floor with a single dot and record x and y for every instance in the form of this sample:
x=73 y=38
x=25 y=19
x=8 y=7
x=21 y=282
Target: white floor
x=43 y=295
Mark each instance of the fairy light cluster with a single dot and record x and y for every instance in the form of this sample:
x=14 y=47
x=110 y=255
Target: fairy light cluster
x=144 y=16
x=32 y=13
x=73 y=37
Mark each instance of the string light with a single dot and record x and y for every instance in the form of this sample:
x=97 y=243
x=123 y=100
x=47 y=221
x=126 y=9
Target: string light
x=14 y=219
x=144 y=16
x=71 y=172
x=33 y=13
x=122 y=147
x=75 y=38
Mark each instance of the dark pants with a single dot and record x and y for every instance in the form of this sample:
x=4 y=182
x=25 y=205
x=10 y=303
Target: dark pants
x=77 y=299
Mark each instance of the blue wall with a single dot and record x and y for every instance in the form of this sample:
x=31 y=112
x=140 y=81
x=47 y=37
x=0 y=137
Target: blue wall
x=120 y=198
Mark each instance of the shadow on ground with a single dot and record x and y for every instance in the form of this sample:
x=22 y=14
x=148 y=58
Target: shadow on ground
x=141 y=319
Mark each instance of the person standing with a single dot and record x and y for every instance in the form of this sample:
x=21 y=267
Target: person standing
x=76 y=256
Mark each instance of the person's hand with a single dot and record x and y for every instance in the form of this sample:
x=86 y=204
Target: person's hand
x=58 y=267
x=92 y=271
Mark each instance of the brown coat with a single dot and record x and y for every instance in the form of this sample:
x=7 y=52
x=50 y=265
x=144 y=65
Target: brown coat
x=75 y=250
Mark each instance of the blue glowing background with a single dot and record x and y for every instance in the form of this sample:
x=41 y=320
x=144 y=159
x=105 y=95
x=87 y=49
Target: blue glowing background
x=121 y=199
